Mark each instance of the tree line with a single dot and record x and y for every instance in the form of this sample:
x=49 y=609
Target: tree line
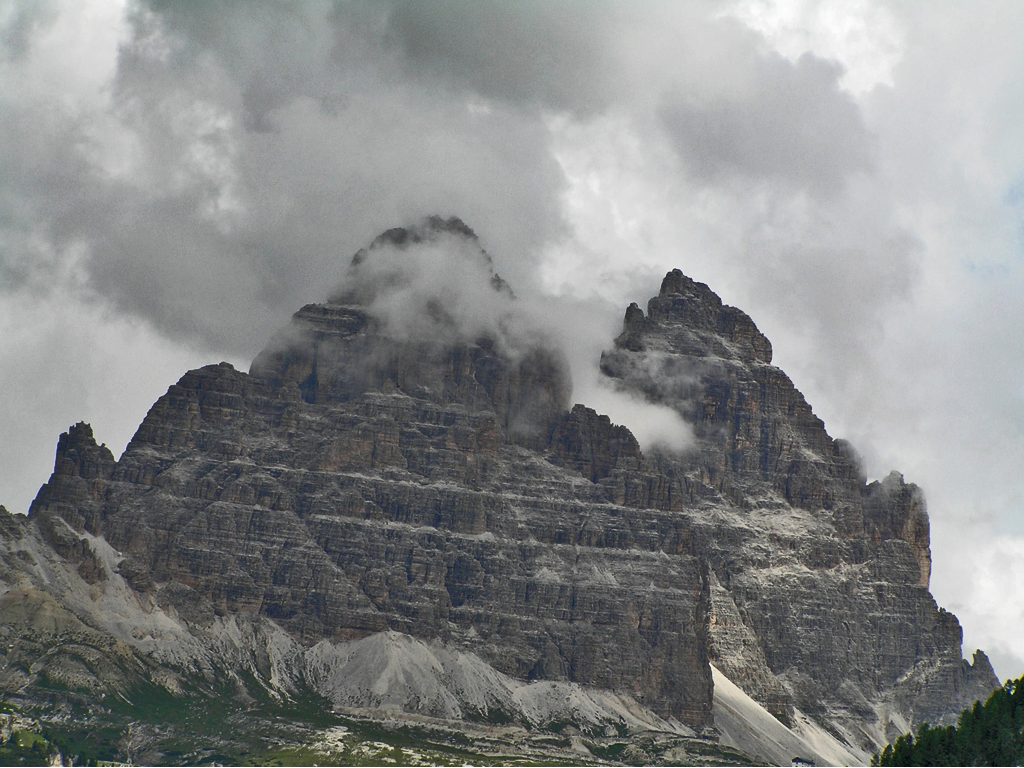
x=986 y=734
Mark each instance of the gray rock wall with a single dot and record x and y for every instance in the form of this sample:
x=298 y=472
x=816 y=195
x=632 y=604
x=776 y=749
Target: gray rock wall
x=359 y=480
x=821 y=578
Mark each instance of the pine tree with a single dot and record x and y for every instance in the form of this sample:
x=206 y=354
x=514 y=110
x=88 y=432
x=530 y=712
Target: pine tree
x=986 y=734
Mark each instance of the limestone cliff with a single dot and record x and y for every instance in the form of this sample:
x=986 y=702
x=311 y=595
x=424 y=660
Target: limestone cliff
x=820 y=579
x=403 y=459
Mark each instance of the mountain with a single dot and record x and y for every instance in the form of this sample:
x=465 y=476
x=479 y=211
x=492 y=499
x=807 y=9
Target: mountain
x=398 y=516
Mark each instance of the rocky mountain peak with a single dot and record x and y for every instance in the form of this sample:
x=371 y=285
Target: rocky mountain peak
x=426 y=229
x=79 y=455
x=397 y=492
x=702 y=321
x=422 y=312
x=709 y=362
x=438 y=259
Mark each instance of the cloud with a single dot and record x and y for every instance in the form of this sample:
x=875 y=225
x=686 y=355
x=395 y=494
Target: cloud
x=862 y=36
x=68 y=359
x=783 y=122
x=234 y=156
x=432 y=282
x=987 y=579
x=583 y=328
x=19 y=24
x=532 y=53
x=238 y=181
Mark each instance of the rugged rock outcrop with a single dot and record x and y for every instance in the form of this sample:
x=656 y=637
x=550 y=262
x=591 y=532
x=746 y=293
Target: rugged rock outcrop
x=820 y=579
x=403 y=459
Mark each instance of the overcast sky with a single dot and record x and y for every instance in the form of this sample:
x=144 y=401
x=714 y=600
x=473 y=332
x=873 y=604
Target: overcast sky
x=176 y=178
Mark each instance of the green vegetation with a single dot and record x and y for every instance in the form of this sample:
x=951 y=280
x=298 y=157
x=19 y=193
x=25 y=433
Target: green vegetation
x=22 y=741
x=987 y=734
x=26 y=748
x=219 y=724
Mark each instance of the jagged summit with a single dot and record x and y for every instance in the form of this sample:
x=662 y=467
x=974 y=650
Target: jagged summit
x=755 y=430
x=392 y=262
x=422 y=312
x=398 y=478
x=716 y=329
x=429 y=227
x=789 y=617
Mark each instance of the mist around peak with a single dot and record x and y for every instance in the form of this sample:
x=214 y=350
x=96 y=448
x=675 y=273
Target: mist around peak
x=584 y=329
x=433 y=281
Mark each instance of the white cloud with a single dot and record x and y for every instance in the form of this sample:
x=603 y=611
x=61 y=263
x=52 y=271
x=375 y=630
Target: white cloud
x=865 y=37
x=68 y=358
x=985 y=574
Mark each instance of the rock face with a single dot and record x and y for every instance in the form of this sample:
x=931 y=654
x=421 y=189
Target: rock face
x=403 y=459
x=820 y=588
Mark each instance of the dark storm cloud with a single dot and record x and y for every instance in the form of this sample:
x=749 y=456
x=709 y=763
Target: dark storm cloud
x=730 y=106
x=263 y=145
x=552 y=55
x=19 y=22
x=42 y=181
x=248 y=149
x=783 y=122
x=272 y=52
